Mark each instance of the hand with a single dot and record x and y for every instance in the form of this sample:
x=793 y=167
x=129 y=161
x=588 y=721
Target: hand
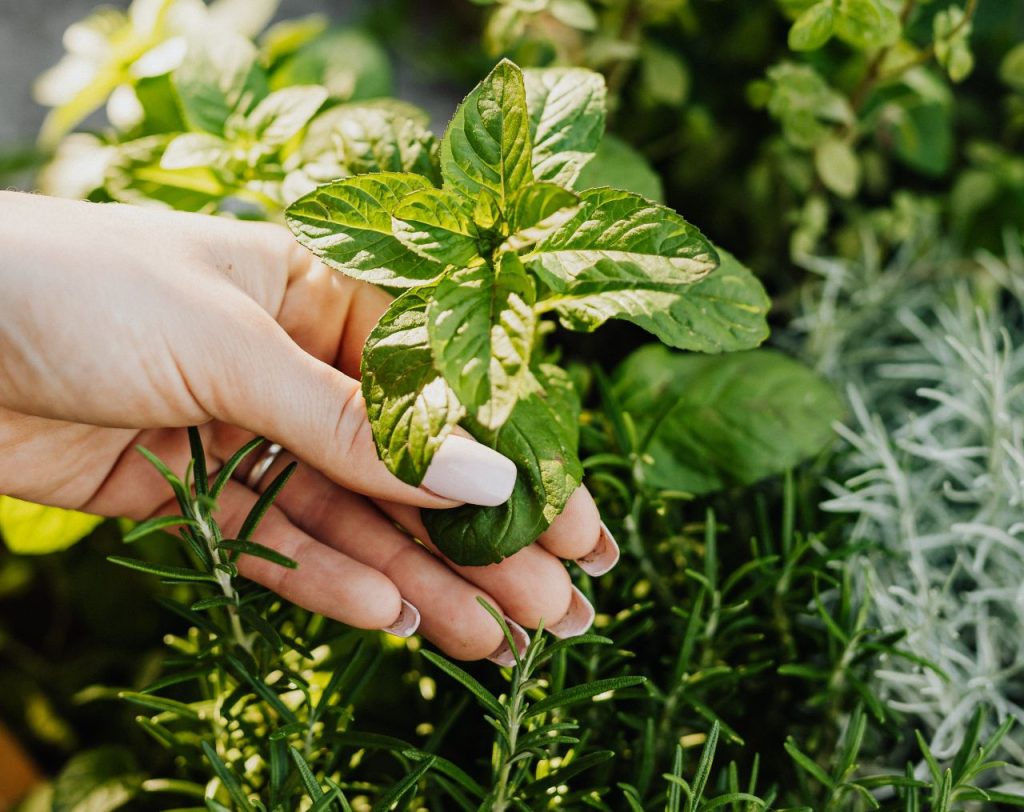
x=120 y=326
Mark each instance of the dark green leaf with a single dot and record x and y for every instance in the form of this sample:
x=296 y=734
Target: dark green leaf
x=485 y=697
x=143 y=529
x=262 y=505
x=257 y=551
x=714 y=422
x=162 y=570
x=618 y=165
x=540 y=437
x=582 y=693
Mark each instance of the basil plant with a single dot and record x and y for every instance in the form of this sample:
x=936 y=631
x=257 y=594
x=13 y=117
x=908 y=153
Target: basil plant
x=483 y=261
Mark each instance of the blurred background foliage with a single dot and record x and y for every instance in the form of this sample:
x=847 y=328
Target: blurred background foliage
x=864 y=157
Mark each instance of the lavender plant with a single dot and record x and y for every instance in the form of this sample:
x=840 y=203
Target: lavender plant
x=929 y=349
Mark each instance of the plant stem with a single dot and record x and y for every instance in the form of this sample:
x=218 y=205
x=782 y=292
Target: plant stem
x=210 y=538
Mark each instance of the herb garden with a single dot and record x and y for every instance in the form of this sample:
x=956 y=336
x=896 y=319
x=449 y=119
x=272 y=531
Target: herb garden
x=751 y=271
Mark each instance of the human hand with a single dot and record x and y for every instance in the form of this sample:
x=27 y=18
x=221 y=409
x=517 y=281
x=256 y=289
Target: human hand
x=121 y=326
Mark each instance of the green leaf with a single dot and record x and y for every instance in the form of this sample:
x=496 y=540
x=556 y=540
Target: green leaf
x=567 y=109
x=258 y=551
x=409 y=781
x=582 y=693
x=134 y=175
x=410 y=406
x=348 y=63
x=220 y=76
x=162 y=570
x=540 y=437
x=837 y=166
x=627 y=234
x=486 y=148
x=488 y=700
x=98 y=780
x=867 y=24
x=348 y=225
x=921 y=134
x=31 y=529
x=227 y=778
x=538 y=210
x=282 y=114
x=481 y=327
x=814 y=27
x=713 y=422
x=618 y=165
x=952 y=29
x=1011 y=69
x=723 y=312
x=157 y=523
x=191 y=150
x=437 y=224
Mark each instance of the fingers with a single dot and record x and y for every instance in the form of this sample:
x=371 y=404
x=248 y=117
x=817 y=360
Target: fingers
x=579 y=534
x=269 y=385
x=532 y=585
x=451 y=615
x=326 y=581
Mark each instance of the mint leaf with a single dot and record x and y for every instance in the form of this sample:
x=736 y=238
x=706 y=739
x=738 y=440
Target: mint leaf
x=719 y=422
x=282 y=114
x=724 y=312
x=814 y=27
x=538 y=210
x=196 y=150
x=348 y=225
x=220 y=76
x=354 y=139
x=486 y=148
x=540 y=436
x=481 y=326
x=438 y=225
x=566 y=108
x=621 y=228
x=411 y=408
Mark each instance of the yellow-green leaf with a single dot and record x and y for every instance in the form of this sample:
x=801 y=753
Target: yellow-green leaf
x=32 y=529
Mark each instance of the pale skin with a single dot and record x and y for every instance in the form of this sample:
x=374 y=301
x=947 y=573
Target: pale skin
x=120 y=326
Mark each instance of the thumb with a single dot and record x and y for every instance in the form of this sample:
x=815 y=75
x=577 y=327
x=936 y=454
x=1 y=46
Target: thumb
x=281 y=392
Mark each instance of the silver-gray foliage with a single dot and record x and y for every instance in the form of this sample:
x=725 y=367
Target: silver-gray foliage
x=930 y=350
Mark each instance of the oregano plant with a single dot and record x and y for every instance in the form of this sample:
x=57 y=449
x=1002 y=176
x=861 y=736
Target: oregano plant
x=481 y=262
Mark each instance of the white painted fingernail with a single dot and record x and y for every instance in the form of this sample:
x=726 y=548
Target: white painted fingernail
x=467 y=471
x=603 y=557
x=503 y=655
x=578 y=619
x=408 y=621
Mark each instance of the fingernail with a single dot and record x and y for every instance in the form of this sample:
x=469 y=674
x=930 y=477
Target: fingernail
x=578 y=619
x=408 y=621
x=503 y=654
x=467 y=471
x=603 y=557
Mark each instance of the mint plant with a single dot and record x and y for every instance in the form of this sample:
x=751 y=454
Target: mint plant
x=504 y=241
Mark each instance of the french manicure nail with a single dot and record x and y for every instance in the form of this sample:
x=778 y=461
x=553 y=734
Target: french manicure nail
x=603 y=557
x=577 y=620
x=468 y=471
x=503 y=654
x=408 y=621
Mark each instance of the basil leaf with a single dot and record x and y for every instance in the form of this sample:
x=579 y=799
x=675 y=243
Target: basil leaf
x=282 y=114
x=348 y=225
x=618 y=165
x=722 y=421
x=437 y=224
x=567 y=109
x=220 y=76
x=481 y=326
x=623 y=229
x=411 y=408
x=541 y=437
x=538 y=210
x=486 y=148
x=724 y=312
